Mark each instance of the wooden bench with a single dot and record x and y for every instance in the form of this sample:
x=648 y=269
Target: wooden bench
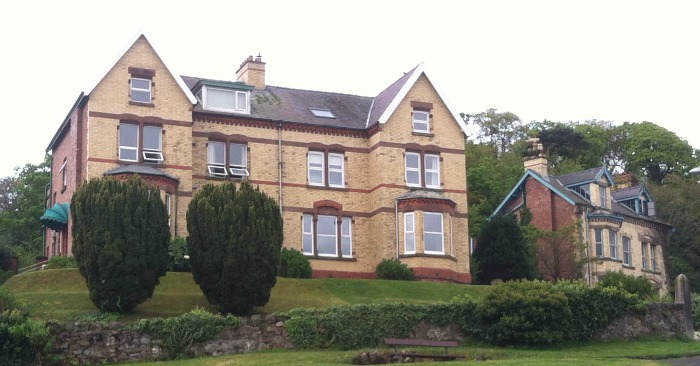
x=396 y=342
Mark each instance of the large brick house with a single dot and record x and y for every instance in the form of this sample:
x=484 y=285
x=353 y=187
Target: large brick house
x=615 y=227
x=358 y=179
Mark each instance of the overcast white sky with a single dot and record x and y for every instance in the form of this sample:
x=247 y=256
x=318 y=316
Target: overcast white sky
x=557 y=60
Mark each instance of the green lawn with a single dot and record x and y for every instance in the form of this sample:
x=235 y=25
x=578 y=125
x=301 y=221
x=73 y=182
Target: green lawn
x=617 y=353
x=61 y=294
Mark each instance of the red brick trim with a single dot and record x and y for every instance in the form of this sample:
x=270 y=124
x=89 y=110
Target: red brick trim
x=200 y=116
x=426 y=204
x=119 y=162
x=441 y=275
x=421 y=106
x=328 y=203
x=336 y=147
x=321 y=273
x=160 y=182
x=140 y=119
x=142 y=73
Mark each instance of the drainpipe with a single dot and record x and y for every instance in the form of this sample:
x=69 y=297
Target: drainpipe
x=279 y=164
x=452 y=235
x=396 y=225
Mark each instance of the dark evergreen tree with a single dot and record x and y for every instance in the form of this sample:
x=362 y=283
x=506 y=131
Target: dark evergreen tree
x=502 y=252
x=234 y=242
x=120 y=240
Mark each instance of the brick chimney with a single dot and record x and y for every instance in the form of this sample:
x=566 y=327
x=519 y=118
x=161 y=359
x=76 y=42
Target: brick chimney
x=252 y=72
x=536 y=159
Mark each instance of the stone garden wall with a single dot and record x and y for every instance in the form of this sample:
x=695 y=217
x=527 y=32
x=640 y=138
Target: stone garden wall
x=93 y=343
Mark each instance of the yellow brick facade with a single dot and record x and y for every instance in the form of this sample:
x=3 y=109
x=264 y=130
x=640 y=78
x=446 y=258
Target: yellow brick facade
x=373 y=167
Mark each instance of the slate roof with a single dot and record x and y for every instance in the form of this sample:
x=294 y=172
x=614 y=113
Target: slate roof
x=419 y=193
x=579 y=177
x=384 y=99
x=627 y=193
x=276 y=103
x=556 y=183
x=141 y=170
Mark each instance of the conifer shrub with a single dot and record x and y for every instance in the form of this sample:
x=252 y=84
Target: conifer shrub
x=234 y=242
x=294 y=264
x=120 y=241
x=393 y=269
x=503 y=252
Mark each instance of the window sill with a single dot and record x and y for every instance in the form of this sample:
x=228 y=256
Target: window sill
x=342 y=259
x=413 y=188
x=651 y=272
x=142 y=104
x=235 y=179
x=608 y=259
x=420 y=133
x=424 y=255
x=340 y=189
x=627 y=266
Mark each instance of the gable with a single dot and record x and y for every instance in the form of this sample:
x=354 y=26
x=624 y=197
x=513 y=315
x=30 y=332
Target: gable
x=112 y=92
x=386 y=103
x=553 y=186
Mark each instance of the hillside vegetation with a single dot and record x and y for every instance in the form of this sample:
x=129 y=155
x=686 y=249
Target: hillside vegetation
x=61 y=294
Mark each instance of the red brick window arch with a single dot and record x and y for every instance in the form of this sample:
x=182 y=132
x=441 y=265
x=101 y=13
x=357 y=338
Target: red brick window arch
x=326 y=231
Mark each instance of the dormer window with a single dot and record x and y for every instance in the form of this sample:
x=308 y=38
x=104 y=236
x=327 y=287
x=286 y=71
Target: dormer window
x=324 y=113
x=225 y=100
x=603 y=197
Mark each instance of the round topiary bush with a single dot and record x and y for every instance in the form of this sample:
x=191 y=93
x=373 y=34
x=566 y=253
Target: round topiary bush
x=293 y=264
x=392 y=269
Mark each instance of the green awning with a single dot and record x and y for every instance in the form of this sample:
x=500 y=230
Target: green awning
x=56 y=217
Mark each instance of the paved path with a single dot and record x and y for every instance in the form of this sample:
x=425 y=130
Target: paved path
x=685 y=361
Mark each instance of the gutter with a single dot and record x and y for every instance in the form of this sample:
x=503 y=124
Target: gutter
x=279 y=165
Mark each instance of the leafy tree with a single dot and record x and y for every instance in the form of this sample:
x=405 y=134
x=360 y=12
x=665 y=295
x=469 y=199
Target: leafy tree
x=490 y=178
x=654 y=151
x=120 y=240
x=500 y=130
x=234 y=241
x=502 y=251
x=677 y=203
x=22 y=202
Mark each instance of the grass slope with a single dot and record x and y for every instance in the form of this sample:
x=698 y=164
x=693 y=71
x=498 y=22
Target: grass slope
x=61 y=294
x=612 y=353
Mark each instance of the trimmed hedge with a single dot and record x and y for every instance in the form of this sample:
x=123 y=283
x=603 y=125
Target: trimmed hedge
x=512 y=313
x=523 y=312
x=365 y=325
x=593 y=308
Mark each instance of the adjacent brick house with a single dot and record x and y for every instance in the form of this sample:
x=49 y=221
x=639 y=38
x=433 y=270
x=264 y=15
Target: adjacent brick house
x=616 y=226
x=359 y=179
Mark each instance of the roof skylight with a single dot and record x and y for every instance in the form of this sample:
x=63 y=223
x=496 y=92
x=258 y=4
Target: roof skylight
x=324 y=113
